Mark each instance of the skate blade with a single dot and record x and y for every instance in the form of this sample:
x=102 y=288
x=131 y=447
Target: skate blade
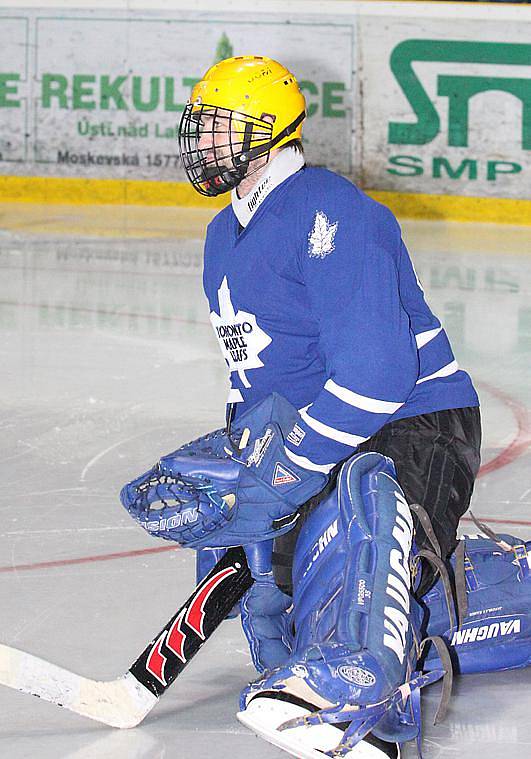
x=264 y=715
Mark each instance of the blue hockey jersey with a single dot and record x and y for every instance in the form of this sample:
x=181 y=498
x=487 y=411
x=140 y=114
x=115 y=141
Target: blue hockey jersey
x=317 y=299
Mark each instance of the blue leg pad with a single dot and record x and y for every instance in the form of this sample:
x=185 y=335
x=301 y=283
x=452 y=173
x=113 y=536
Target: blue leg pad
x=353 y=612
x=496 y=633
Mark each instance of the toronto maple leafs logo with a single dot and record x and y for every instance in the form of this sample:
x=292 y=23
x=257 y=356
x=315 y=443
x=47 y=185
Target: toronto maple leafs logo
x=239 y=336
x=321 y=238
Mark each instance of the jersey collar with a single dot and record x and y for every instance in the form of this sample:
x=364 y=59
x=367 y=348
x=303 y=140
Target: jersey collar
x=286 y=163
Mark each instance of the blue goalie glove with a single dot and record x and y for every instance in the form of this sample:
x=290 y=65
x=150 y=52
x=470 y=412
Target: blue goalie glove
x=204 y=499
x=247 y=427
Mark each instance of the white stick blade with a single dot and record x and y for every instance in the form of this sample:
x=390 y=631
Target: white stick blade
x=119 y=703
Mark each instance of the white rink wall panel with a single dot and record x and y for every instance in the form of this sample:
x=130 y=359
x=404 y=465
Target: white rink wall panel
x=108 y=87
x=446 y=105
x=403 y=97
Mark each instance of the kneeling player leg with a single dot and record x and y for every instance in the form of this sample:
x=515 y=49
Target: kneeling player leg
x=355 y=620
x=436 y=457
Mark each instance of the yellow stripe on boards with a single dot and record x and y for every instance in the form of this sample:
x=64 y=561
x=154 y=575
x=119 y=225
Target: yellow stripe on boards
x=103 y=191
x=146 y=193
x=455 y=207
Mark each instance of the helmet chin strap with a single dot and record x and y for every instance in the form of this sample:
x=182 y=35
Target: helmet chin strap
x=248 y=155
x=225 y=180
x=228 y=179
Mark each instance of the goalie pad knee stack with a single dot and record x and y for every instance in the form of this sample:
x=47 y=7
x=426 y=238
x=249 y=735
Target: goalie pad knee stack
x=355 y=620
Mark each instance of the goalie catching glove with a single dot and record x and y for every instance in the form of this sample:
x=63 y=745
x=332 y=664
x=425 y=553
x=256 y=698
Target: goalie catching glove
x=231 y=495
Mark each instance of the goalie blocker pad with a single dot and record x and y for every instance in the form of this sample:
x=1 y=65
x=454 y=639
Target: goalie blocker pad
x=354 y=616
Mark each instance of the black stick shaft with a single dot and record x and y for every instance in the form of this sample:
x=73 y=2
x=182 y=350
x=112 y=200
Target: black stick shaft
x=177 y=643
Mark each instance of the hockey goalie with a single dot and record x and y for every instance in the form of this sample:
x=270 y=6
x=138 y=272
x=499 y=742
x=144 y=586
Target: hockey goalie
x=351 y=447
x=325 y=512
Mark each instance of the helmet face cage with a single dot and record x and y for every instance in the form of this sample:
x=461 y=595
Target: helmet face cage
x=218 y=145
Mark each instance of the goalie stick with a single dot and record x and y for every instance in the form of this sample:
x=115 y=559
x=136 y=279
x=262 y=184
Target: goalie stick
x=125 y=702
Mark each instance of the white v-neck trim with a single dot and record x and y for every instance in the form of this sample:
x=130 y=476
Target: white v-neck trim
x=286 y=163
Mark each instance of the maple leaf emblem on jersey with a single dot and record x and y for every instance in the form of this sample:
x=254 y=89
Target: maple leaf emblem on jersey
x=240 y=338
x=321 y=238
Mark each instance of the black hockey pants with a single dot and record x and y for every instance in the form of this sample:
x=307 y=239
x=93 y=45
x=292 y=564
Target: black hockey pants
x=436 y=457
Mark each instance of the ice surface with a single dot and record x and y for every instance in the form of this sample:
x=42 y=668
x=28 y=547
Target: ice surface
x=107 y=361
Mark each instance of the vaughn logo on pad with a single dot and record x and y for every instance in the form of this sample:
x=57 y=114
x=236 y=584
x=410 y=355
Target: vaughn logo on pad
x=484 y=632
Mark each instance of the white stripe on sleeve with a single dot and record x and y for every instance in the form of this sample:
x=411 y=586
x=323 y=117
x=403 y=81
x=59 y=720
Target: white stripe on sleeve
x=423 y=338
x=305 y=463
x=451 y=368
x=331 y=432
x=373 y=405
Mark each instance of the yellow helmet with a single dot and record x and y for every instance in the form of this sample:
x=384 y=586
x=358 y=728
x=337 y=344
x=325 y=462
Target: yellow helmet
x=241 y=109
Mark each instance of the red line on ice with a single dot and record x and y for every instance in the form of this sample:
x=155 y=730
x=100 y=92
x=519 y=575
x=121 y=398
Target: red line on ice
x=510 y=453
x=87 y=559
x=499 y=520
x=522 y=439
